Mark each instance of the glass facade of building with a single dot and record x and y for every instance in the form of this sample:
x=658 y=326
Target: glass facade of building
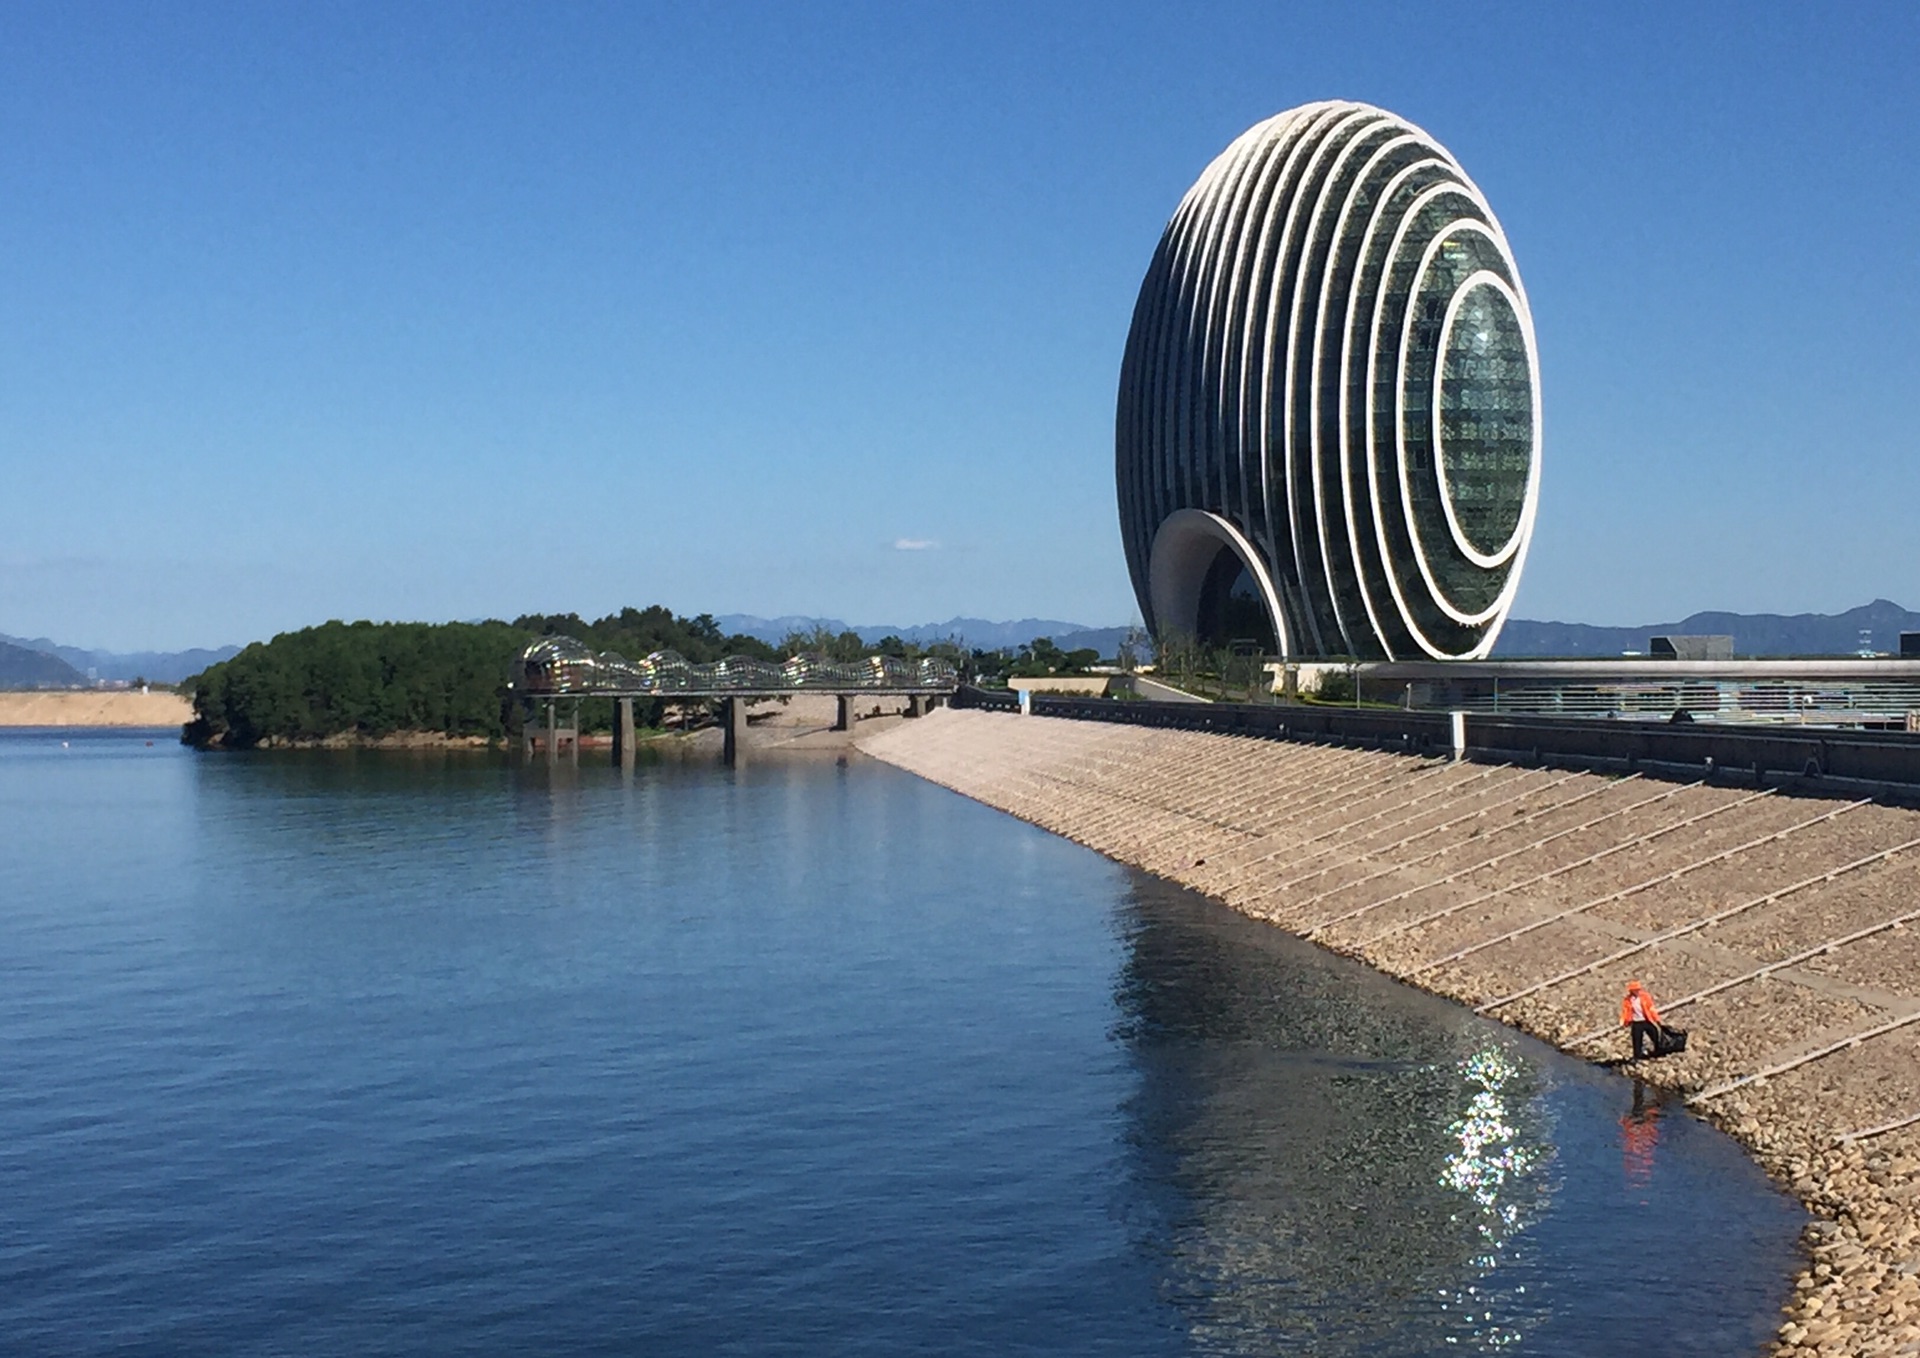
x=1331 y=372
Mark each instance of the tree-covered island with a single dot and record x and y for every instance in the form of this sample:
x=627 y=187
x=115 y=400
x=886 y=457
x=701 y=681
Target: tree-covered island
x=429 y=683
x=365 y=682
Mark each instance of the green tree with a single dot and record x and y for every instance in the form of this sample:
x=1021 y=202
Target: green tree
x=1336 y=686
x=362 y=678
x=1041 y=657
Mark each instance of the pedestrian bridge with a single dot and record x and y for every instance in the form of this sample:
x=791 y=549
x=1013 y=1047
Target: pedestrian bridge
x=561 y=668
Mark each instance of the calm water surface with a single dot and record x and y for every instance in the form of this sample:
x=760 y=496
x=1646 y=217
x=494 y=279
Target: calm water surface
x=382 y=1054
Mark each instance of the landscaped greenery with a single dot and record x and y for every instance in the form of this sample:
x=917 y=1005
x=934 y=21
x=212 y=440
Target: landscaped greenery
x=367 y=680
x=1041 y=658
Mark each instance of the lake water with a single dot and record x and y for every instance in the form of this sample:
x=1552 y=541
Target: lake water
x=382 y=1054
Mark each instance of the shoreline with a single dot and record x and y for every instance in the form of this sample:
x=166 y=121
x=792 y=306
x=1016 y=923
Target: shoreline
x=1533 y=894
x=75 y=709
x=803 y=722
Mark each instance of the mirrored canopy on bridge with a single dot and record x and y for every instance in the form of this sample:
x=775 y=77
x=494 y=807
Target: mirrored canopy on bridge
x=564 y=666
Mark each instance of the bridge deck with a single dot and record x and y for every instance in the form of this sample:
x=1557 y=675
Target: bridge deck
x=560 y=667
x=823 y=690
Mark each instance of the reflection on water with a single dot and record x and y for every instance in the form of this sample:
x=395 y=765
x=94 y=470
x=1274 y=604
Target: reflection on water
x=1354 y=1168
x=1490 y=1170
x=377 y=1054
x=1640 y=1137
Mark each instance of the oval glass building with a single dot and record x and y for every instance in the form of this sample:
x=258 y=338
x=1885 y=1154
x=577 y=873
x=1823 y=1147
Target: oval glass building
x=1328 y=435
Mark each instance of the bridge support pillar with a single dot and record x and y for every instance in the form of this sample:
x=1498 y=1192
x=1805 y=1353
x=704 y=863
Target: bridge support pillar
x=623 y=733
x=553 y=731
x=844 y=722
x=917 y=705
x=733 y=720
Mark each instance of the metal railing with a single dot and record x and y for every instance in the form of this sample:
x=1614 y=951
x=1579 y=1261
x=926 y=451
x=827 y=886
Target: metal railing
x=1883 y=702
x=1811 y=756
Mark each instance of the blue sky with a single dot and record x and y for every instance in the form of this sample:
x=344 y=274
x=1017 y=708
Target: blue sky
x=434 y=312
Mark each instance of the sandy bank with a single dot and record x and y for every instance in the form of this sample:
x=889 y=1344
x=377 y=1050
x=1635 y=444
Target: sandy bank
x=94 y=707
x=803 y=722
x=1784 y=932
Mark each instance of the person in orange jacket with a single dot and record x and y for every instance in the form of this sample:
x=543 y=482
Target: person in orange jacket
x=1637 y=1011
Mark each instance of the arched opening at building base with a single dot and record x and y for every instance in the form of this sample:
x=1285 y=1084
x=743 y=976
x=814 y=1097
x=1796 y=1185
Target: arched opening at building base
x=1231 y=612
x=1208 y=584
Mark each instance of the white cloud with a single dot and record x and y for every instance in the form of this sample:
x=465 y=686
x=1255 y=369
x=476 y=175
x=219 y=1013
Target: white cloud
x=914 y=544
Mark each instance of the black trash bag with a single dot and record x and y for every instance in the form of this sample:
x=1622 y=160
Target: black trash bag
x=1669 y=1041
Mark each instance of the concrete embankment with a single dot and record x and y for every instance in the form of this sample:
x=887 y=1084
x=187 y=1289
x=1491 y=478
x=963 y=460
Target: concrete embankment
x=1783 y=931
x=94 y=707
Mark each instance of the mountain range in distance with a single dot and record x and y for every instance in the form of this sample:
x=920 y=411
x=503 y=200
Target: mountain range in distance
x=41 y=663
x=1871 y=627
x=1876 y=626
x=977 y=634
x=23 y=664
x=24 y=667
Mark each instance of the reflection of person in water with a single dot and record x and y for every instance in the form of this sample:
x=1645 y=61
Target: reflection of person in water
x=1639 y=1137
